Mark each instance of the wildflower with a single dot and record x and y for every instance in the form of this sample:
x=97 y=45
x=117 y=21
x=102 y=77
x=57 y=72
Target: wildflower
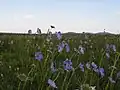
x=88 y=65
x=53 y=67
x=9 y=67
x=38 y=56
x=101 y=71
x=11 y=42
x=60 y=47
x=1 y=75
x=95 y=67
x=96 y=70
x=67 y=47
x=81 y=67
x=85 y=42
x=107 y=55
x=114 y=48
x=81 y=49
x=59 y=35
x=63 y=44
x=52 y=83
x=17 y=69
x=67 y=64
x=92 y=87
x=111 y=80
x=91 y=46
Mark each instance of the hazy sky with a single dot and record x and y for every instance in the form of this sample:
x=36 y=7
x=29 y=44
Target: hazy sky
x=66 y=15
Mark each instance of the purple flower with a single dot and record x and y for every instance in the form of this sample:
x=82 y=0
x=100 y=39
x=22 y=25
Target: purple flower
x=53 y=69
x=67 y=47
x=111 y=80
x=101 y=71
x=52 y=83
x=82 y=67
x=59 y=35
x=38 y=56
x=95 y=67
x=61 y=46
x=67 y=64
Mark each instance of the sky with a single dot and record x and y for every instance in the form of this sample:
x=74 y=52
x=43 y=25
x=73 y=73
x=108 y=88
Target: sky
x=18 y=16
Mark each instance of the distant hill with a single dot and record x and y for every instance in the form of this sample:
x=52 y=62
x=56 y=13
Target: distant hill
x=103 y=33
x=68 y=33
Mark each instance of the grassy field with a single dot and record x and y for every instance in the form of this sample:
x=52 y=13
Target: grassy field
x=60 y=62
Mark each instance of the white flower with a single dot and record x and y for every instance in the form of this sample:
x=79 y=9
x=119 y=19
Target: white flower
x=92 y=87
x=81 y=49
x=111 y=80
x=114 y=48
x=107 y=55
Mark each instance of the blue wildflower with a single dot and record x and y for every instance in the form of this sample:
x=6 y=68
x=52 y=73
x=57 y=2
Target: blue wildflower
x=82 y=67
x=67 y=47
x=101 y=71
x=61 y=47
x=59 y=35
x=68 y=64
x=111 y=80
x=52 y=83
x=38 y=56
x=95 y=67
x=63 y=44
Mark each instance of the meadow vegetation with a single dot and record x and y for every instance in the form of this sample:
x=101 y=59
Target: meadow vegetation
x=60 y=62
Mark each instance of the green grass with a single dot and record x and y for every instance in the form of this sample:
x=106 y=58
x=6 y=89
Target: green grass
x=20 y=71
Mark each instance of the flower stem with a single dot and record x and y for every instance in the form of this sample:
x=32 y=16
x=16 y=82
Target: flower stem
x=64 y=81
x=111 y=74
